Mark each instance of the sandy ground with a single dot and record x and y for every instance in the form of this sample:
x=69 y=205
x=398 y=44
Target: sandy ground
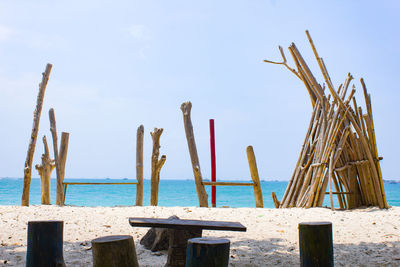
x=363 y=237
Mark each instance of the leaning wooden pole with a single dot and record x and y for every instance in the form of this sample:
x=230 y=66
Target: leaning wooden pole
x=254 y=176
x=45 y=170
x=35 y=130
x=201 y=192
x=156 y=165
x=53 y=130
x=139 y=165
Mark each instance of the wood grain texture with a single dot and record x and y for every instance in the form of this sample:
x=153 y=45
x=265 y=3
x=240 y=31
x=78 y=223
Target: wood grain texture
x=139 y=165
x=186 y=224
x=201 y=192
x=34 y=134
x=45 y=170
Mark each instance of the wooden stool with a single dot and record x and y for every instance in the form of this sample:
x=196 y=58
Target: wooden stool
x=114 y=251
x=316 y=245
x=45 y=244
x=210 y=252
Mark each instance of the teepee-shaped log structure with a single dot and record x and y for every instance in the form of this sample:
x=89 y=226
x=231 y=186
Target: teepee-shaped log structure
x=339 y=147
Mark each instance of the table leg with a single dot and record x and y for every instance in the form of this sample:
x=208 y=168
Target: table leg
x=177 y=246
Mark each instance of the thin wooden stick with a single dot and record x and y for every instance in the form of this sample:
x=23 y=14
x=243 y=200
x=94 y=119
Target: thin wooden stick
x=34 y=134
x=60 y=187
x=139 y=165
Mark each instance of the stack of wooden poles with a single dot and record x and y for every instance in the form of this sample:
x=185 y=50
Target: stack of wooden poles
x=339 y=149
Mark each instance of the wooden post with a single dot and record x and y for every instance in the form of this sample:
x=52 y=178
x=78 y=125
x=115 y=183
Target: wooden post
x=32 y=143
x=210 y=252
x=45 y=170
x=139 y=165
x=276 y=201
x=156 y=165
x=63 y=158
x=201 y=192
x=254 y=176
x=59 y=158
x=316 y=244
x=114 y=251
x=45 y=244
x=213 y=165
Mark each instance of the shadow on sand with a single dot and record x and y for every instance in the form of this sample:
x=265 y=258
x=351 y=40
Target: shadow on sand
x=246 y=253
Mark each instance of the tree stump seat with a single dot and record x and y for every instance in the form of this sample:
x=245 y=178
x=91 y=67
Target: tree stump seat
x=210 y=252
x=45 y=244
x=316 y=244
x=114 y=251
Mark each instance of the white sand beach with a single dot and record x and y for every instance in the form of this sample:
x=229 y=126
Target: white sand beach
x=363 y=237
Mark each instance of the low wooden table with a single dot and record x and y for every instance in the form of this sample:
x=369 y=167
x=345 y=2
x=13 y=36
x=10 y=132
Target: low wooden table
x=181 y=231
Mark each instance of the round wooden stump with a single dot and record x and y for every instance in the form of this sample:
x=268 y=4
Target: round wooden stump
x=45 y=244
x=210 y=252
x=114 y=251
x=316 y=244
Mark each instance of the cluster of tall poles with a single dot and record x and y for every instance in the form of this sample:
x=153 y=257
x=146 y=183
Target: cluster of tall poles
x=48 y=164
x=60 y=155
x=339 y=149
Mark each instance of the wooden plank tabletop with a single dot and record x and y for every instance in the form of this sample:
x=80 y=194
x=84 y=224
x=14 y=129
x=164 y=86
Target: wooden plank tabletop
x=187 y=224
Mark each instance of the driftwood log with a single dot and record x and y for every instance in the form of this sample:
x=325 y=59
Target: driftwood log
x=45 y=170
x=59 y=157
x=156 y=165
x=34 y=134
x=201 y=192
x=339 y=149
x=139 y=165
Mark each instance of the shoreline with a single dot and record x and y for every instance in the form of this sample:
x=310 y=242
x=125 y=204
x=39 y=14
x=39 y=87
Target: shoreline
x=362 y=237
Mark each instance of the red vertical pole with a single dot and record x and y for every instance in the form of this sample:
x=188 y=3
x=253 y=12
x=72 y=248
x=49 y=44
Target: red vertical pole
x=213 y=164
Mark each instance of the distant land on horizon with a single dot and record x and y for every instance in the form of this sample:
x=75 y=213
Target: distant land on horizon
x=391 y=181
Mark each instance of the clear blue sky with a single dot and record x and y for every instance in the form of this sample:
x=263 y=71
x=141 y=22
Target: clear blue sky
x=119 y=64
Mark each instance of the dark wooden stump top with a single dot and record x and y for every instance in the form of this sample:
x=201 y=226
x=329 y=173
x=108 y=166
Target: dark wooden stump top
x=111 y=238
x=180 y=224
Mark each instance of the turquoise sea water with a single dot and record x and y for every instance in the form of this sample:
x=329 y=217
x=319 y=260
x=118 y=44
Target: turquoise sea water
x=171 y=193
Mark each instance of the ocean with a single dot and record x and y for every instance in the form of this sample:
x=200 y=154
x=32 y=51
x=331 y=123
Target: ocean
x=171 y=193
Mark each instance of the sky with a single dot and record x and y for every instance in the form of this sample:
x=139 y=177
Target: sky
x=119 y=64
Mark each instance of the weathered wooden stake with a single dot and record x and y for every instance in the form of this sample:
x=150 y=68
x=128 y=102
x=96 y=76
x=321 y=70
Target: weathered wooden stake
x=139 y=165
x=156 y=165
x=276 y=201
x=201 y=192
x=254 y=176
x=316 y=244
x=63 y=158
x=114 y=251
x=32 y=143
x=45 y=170
x=59 y=157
